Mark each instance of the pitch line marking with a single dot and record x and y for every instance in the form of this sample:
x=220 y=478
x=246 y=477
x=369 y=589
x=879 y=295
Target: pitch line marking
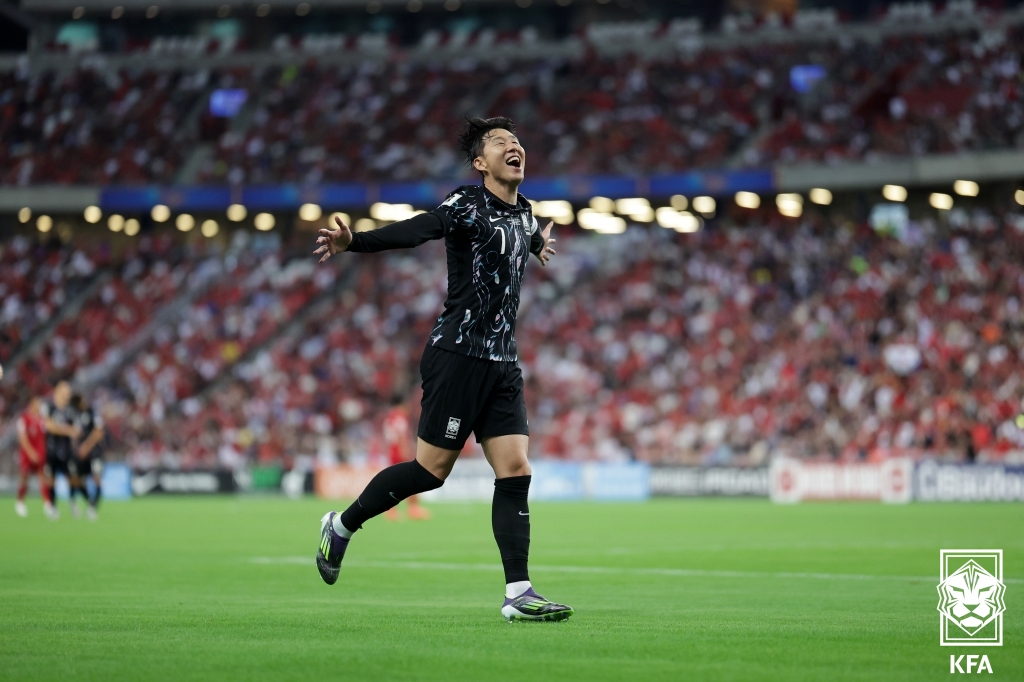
x=601 y=570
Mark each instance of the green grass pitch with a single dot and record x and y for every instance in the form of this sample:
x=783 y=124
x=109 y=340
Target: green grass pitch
x=226 y=588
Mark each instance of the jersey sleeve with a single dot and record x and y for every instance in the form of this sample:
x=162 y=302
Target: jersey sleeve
x=458 y=211
x=536 y=239
x=44 y=410
x=405 y=234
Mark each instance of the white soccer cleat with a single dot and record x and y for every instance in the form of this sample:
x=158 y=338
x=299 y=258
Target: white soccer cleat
x=21 y=509
x=51 y=511
x=90 y=513
x=74 y=509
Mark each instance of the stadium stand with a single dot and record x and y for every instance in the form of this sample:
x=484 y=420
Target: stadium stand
x=724 y=346
x=817 y=337
x=878 y=94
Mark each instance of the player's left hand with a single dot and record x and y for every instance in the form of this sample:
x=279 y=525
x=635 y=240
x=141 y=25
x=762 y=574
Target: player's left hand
x=547 y=252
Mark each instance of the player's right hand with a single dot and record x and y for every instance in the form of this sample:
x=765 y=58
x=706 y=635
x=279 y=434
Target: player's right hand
x=333 y=241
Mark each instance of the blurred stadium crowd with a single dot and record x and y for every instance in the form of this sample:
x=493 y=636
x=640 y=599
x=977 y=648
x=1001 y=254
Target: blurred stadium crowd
x=816 y=337
x=908 y=94
x=813 y=336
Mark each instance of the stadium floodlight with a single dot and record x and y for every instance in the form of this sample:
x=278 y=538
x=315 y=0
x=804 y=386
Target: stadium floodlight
x=705 y=205
x=941 y=201
x=645 y=215
x=600 y=221
x=44 y=223
x=552 y=209
x=184 y=222
x=680 y=221
x=115 y=222
x=602 y=205
x=632 y=207
x=389 y=213
x=92 y=214
x=160 y=213
x=821 y=196
x=365 y=225
x=566 y=219
x=679 y=202
x=237 y=213
x=310 y=212
x=748 y=200
x=966 y=188
x=894 y=193
x=209 y=228
x=1018 y=196
x=790 y=205
x=131 y=227
x=345 y=218
x=25 y=215
x=264 y=222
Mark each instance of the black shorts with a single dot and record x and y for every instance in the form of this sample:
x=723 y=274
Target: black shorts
x=463 y=394
x=58 y=465
x=90 y=466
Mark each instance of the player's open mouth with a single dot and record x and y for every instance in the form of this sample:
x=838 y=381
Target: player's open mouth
x=514 y=161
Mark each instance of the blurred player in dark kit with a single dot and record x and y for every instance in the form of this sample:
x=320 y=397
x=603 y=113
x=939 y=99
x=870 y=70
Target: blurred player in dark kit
x=88 y=453
x=59 y=422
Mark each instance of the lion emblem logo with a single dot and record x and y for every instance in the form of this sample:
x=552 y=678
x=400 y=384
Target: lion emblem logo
x=970 y=597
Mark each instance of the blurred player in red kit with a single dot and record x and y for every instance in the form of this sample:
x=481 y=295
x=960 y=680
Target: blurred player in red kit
x=397 y=436
x=32 y=439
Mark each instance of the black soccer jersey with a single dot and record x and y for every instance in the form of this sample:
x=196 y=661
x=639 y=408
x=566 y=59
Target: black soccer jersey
x=488 y=243
x=58 y=447
x=87 y=421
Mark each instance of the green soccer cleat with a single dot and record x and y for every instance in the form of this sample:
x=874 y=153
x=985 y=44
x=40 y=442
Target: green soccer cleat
x=531 y=606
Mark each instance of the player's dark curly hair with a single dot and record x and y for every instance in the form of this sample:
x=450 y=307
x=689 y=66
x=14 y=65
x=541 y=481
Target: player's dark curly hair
x=471 y=140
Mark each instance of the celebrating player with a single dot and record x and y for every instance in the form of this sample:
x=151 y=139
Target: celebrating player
x=396 y=435
x=88 y=453
x=59 y=422
x=471 y=378
x=32 y=439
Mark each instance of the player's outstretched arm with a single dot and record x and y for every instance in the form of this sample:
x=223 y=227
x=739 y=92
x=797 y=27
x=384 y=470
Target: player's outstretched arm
x=405 y=234
x=541 y=244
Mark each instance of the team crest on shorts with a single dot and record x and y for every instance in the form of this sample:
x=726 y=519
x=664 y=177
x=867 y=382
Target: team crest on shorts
x=453 y=427
x=971 y=594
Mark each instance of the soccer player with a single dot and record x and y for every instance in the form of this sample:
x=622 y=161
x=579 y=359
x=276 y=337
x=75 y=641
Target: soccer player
x=396 y=435
x=32 y=439
x=88 y=453
x=59 y=422
x=471 y=378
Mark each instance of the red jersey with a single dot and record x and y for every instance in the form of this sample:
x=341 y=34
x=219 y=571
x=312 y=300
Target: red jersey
x=396 y=434
x=32 y=426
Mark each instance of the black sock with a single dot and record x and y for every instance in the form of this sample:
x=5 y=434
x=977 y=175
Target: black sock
x=97 y=494
x=386 y=490
x=79 y=490
x=510 y=520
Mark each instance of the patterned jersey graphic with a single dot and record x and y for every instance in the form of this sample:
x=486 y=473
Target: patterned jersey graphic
x=488 y=244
